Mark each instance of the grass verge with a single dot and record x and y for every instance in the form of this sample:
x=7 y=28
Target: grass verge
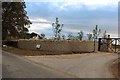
x=115 y=68
x=22 y=52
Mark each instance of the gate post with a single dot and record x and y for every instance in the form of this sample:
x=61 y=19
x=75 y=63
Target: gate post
x=115 y=45
x=99 y=44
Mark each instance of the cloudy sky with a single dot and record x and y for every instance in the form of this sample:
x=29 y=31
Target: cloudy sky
x=76 y=15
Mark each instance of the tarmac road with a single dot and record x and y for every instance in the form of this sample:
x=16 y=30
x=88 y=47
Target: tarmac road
x=17 y=67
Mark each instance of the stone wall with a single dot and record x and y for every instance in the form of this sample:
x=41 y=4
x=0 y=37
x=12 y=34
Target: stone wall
x=62 y=46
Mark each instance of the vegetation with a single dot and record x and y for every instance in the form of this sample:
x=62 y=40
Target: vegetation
x=105 y=34
x=63 y=37
x=43 y=36
x=14 y=20
x=90 y=36
x=71 y=37
x=96 y=32
x=15 y=23
x=57 y=29
x=80 y=35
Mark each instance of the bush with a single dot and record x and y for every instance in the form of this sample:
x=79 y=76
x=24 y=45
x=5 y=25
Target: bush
x=10 y=43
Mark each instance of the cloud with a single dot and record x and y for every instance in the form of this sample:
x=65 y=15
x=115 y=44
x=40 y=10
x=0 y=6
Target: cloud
x=75 y=16
x=92 y=4
x=38 y=20
x=38 y=26
x=97 y=3
x=41 y=25
x=45 y=29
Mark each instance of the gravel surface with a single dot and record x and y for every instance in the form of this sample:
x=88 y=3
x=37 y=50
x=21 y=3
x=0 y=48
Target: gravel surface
x=89 y=65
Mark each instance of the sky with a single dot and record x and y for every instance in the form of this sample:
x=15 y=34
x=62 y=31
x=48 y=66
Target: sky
x=76 y=15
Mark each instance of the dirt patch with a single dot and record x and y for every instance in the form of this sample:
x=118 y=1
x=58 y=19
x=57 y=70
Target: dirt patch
x=114 y=68
x=118 y=67
x=22 y=52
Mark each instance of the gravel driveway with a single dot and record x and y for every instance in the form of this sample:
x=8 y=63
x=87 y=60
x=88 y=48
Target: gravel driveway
x=89 y=65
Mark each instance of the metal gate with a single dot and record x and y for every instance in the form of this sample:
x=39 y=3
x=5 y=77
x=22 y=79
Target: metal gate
x=109 y=44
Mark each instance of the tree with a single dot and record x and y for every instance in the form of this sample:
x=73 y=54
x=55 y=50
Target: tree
x=80 y=35
x=57 y=29
x=14 y=19
x=24 y=33
x=96 y=33
x=42 y=36
x=63 y=37
x=105 y=34
x=70 y=36
x=89 y=36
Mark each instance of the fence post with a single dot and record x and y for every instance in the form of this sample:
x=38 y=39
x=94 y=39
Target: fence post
x=115 y=44
x=99 y=43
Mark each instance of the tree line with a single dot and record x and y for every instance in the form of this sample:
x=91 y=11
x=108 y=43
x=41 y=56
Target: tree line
x=91 y=36
x=15 y=24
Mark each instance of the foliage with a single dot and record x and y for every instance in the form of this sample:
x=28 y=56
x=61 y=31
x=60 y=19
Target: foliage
x=70 y=36
x=14 y=19
x=80 y=35
x=42 y=36
x=90 y=36
x=105 y=34
x=57 y=29
x=63 y=37
x=96 y=32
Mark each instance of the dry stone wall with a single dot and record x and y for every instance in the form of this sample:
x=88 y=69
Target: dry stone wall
x=62 y=46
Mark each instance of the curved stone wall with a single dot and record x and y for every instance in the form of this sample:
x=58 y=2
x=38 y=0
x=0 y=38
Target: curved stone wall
x=62 y=46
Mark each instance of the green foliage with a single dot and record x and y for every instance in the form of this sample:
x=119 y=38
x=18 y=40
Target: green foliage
x=14 y=19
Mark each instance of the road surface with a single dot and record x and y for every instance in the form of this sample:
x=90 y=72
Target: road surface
x=91 y=65
x=17 y=67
